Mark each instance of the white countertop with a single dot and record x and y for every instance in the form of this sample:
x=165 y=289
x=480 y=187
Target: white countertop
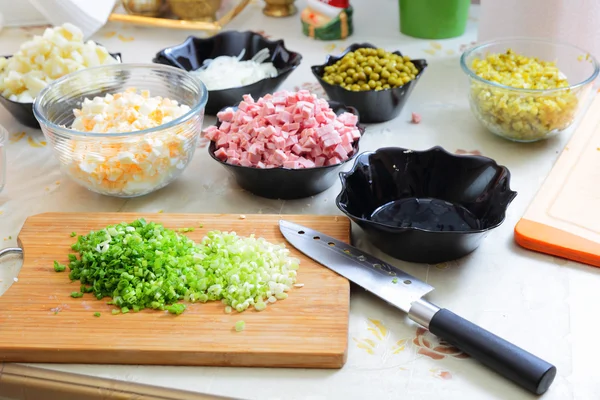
x=546 y=305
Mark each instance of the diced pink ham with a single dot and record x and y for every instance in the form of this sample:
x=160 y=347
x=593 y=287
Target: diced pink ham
x=289 y=129
x=221 y=154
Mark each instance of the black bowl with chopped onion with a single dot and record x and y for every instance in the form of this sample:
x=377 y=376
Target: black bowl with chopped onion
x=194 y=51
x=286 y=183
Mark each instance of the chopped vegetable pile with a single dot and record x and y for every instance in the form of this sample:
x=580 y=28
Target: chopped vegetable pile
x=145 y=265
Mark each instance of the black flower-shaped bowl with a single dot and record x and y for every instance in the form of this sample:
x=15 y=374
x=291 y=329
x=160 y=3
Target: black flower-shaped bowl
x=190 y=55
x=285 y=183
x=471 y=196
x=23 y=112
x=373 y=106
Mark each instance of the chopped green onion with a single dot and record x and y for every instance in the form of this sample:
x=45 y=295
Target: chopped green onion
x=59 y=267
x=239 y=326
x=228 y=309
x=176 y=308
x=145 y=265
x=124 y=310
x=76 y=294
x=73 y=234
x=115 y=312
x=395 y=280
x=72 y=257
x=96 y=314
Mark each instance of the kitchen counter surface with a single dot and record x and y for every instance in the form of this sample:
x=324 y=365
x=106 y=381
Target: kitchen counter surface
x=541 y=303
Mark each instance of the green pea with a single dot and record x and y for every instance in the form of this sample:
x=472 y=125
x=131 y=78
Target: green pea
x=374 y=76
x=372 y=84
x=368 y=70
x=349 y=80
x=385 y=74
x=364 y=86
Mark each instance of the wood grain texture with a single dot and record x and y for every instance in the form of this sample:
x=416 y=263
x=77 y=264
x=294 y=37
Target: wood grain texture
x=40 y=322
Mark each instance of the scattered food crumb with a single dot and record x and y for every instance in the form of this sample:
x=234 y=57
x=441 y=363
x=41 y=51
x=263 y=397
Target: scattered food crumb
x=228 y=310
x=407 y=151
x=47 y=189
x=16 y=279
x=73 y=234
x=415 y=118
x=96 y=314
x=239 y=326
x=201 y=226
x=160 y=211
x=336 y=219
x=57 y=183
x=395 y=280
x=597 y=148
x=1 y=212
x=298 y=285
x=242 y=216
x=10 y=237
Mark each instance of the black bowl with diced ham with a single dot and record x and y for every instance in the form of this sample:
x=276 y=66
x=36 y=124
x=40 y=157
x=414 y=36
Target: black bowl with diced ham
x=191 y=54
x=374 y=106
x=282 y=150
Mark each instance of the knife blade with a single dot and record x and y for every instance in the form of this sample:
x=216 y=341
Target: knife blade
x=406 y=292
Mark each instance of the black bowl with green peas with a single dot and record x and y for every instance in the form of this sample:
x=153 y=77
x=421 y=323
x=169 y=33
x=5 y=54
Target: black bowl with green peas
x=375 y=82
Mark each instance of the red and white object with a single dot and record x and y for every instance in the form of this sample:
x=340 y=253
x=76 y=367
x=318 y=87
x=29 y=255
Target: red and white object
x=284 y=129
x=329 y=8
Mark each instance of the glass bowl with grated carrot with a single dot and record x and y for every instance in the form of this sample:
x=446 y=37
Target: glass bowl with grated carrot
x=123 y=130
x=527 y=90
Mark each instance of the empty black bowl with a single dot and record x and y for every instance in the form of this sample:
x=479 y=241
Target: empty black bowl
x=23 y=112
x=380 y=192
x=191 y=54
x=284 y=183
x=373 y=106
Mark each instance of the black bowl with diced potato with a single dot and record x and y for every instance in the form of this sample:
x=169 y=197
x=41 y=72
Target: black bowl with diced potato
x=23 y=112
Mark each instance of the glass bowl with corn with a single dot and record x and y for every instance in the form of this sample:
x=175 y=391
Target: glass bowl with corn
x=123 y=130
x=527 y=90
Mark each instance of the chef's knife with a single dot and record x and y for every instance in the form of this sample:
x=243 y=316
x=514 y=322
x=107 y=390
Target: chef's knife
x=406 y=293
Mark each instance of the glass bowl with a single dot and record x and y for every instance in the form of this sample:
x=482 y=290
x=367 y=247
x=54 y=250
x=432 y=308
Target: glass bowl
x=530 y=115
x=122 y=164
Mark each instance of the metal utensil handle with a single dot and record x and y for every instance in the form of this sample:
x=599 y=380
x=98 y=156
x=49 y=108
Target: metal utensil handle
x=507 y=359
x=11 y=250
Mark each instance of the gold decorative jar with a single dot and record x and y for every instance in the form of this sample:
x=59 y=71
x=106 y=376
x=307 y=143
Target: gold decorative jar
x=196 y=10
x=146 y=8
x=279 y=8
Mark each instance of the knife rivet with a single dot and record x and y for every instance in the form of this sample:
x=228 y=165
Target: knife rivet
x=407 y=282
x=331 y=244
x=300 y=232
x=317 y=238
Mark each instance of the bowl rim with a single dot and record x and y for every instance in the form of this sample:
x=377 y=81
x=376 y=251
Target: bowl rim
x=120 y=66
x=331 y=58
x=344 y=176
x=116 y=56
x=280 y=72
x=361 y=129
x=469 y=72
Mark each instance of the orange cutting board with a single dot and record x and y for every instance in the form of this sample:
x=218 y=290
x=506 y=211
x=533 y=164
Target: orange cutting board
x=41 y=323
x=564 y=217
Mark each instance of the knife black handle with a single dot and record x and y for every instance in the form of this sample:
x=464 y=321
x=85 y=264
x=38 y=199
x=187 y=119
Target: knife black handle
x=514 y=363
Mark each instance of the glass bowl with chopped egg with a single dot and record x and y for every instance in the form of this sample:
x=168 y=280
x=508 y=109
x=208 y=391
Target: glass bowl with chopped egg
x=527 y=90
x=123 y=130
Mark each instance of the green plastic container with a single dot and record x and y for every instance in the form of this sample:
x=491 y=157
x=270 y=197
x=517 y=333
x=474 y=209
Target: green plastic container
x=434 y=19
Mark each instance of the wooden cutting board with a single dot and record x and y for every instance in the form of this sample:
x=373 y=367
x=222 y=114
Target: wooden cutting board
x=564 y=217
x=41 y=323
